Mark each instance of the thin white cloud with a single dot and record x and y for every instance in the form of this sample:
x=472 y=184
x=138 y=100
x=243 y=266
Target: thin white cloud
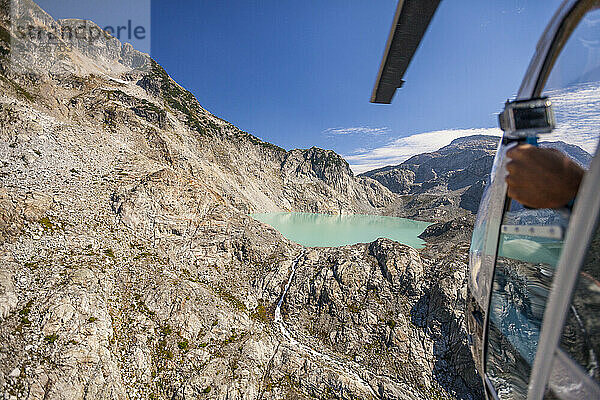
x=357 y=130
x=400 y=150
x=577 y=116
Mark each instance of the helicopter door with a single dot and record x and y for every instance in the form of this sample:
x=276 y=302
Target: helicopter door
x=531 y=241
x=529 y=247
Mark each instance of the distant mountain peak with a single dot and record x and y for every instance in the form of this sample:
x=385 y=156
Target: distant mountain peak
x=473 y=138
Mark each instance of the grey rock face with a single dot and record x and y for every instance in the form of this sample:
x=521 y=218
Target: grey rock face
x=130 y=268
x=382 y=306
x=455 y=174
x=470 y=198
x=445 y=184
x=451 y=168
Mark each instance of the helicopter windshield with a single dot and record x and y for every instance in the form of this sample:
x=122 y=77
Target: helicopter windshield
x=531 y=240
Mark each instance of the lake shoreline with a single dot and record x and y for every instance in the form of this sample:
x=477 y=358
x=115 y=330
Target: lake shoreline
x=329 y=230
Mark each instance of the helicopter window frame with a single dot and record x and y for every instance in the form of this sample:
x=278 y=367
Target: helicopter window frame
x=566 y=28
x=554 y=38
x=551 y=361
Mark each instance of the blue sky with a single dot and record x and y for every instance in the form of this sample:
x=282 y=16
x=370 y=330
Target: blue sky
x=300 y=74
x=109 y=15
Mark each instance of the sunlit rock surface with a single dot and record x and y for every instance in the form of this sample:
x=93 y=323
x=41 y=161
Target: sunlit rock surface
x=130 y=269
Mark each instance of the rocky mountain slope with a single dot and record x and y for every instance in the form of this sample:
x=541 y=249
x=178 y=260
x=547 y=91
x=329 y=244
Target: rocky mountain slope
x=450 y=180
x=454 y=176
x=130 y=268
x=384 y=309
x=111 y=87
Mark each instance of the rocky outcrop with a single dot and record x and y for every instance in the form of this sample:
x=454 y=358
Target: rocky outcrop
x=382 y=307
x=324 y=165
x=106 y=85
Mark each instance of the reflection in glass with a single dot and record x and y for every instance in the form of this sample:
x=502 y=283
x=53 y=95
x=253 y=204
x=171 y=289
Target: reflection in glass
x=517 y=307
x=525 y=267
x=574 y=88
x=581 y=334
x=534 y=250
x=531 y=240
x=575 y=83
x=520 y=215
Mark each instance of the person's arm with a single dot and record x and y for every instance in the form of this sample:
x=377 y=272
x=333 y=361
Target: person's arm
x=541 y=177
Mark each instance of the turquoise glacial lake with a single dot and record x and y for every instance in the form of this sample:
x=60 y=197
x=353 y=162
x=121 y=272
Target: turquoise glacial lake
x=322 y=230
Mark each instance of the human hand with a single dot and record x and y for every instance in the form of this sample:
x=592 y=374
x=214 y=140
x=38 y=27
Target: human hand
x=542 y=178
